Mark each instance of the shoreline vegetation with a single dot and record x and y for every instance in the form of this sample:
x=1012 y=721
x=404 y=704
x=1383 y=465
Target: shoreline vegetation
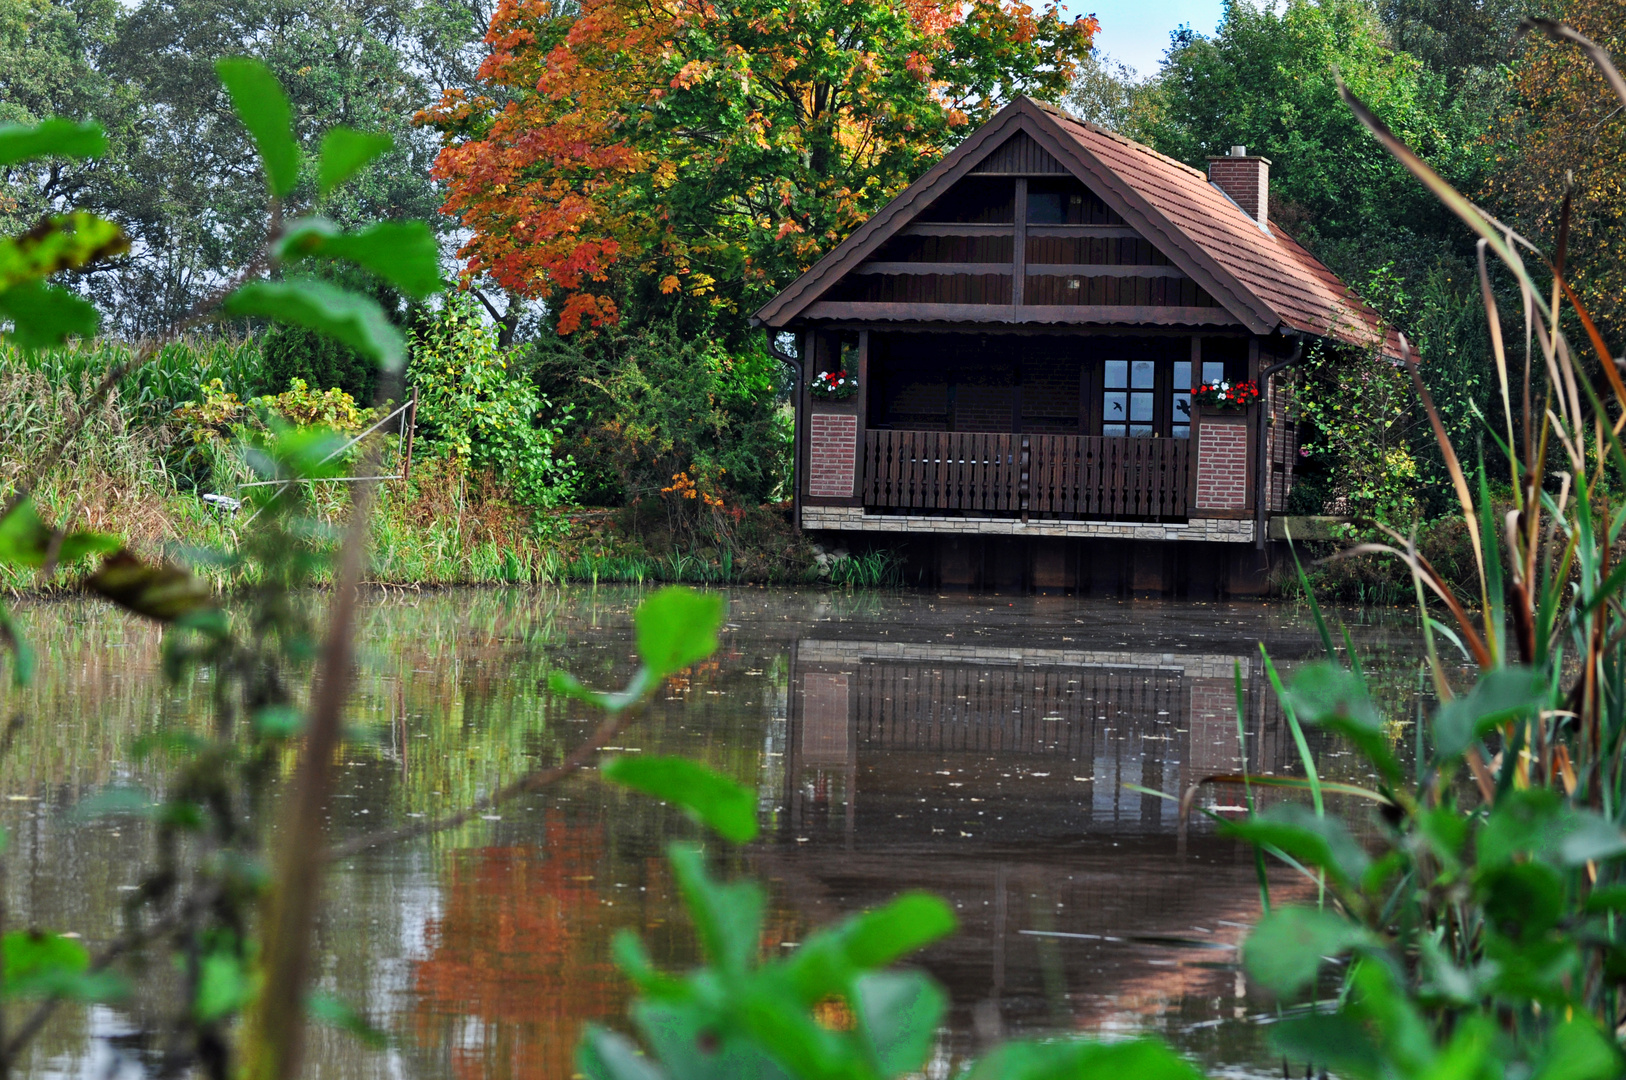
x=181 y=427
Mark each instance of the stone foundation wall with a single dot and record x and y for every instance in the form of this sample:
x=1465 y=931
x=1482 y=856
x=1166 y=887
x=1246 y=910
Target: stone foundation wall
x=854 y=519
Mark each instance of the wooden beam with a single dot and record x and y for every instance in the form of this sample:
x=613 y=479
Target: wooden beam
x=1122 y=231
x=1115 y=314
x=955 y=228
x=1019 y=275
x=1104 y=270
x=933 y=268
x=1134 y=270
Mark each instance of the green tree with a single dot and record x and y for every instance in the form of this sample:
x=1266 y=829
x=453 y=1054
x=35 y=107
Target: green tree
x=180 y=177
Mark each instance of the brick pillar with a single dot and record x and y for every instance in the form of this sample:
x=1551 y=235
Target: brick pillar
x=832 y=455
x=1222 y=464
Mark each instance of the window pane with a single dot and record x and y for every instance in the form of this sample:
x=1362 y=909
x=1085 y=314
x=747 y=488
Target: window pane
x=1140 y=431
x=1113 y=429
x=1140 y=406
x=1213 y=372
x=1114 y=407
x=1182 y=408
x=1182 y=431
x=1117 y=373
x=1182 y=374
x=1144 y=373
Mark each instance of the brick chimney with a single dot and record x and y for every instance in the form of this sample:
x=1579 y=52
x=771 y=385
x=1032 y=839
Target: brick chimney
x=1245 y=179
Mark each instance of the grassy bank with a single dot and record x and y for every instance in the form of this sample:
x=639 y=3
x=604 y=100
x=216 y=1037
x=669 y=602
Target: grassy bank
x=155 y=448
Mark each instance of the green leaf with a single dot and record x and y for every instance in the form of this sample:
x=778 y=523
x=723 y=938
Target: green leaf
x=354 y=320
x=50 y=138
x=1336 y=1041
x=884 y=935
x=38 y=964
x=278 y=722
x=260 y=103
x=727 y=808
x=1284 y=951
x=1522 y=900
x=225 y=985
x=115 y=800
x=1296 y=831
x=1328 y=696
x=829 y=958
x=25 y=540
x=57 y=243
x=1499 y=695
x=44 y=315
x=345 y=152
x=22 y=657
x=605 y=1055
x=1539 y=822
x=898 y=1013
x=728 y=918
x=695 y=1044
x=1577 y=1050
x=337 y=1013
x=1141 y=1059
x=403 y=253
x=1612 y=898
x=566 y=684
x=676 y=627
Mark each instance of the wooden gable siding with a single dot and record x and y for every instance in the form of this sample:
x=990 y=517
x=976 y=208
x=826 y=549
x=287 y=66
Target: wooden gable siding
x=1019 y=155
x=963 y=250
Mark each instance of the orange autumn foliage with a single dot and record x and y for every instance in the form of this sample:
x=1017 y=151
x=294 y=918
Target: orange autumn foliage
x=516 y=953
x=685 y=155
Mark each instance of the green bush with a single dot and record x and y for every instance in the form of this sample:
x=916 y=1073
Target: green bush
x=656 y=404
x=477 y=407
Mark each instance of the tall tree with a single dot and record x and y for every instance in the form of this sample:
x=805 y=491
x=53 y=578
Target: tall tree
x=1568 y=128
x=180 y=176
x=686 y=158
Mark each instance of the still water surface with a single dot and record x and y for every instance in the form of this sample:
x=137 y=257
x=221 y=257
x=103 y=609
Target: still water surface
x=982 y=748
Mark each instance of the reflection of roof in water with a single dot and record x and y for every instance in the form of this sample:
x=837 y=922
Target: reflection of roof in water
x=1194 y=665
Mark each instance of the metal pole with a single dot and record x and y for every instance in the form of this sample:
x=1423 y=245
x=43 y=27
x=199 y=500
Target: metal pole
x=411 y=428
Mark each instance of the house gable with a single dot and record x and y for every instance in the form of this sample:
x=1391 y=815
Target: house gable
x=1114 y=234
x=956 y=247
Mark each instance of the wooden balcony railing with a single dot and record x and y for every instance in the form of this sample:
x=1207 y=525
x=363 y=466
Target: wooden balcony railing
x=1055 y=476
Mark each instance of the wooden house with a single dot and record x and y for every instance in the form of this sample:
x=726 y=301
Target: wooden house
x=1026 y=323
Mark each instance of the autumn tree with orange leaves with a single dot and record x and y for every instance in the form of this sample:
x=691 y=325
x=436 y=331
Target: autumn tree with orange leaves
x=682 y=158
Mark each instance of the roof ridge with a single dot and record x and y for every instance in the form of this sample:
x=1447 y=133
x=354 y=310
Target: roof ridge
x=1124 y=139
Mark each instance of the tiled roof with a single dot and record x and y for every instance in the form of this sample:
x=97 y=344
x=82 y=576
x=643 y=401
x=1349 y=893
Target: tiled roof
x=1271 y=265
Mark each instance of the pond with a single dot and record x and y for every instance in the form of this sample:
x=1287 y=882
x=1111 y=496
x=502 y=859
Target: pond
x=1019 y=756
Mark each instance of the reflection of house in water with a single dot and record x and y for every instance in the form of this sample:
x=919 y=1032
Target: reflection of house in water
x=997 y=778
x=1068 y=728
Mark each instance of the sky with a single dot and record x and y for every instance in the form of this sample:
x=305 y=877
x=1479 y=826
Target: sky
x=1136 y=32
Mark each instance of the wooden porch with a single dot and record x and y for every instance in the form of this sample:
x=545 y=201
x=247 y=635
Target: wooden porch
x=1061 y=477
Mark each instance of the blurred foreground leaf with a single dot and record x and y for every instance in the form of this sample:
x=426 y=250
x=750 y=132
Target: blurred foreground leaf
x=163 y=593
x=727 y=808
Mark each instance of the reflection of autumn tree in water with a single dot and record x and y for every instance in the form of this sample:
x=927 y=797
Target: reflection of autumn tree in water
x=519 y=958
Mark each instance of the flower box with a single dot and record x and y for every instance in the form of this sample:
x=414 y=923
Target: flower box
x=1225 y=396
x=832 y=386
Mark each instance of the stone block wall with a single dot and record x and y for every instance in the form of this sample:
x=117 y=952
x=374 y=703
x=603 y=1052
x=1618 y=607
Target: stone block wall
x=1222 y=465
x=832 y=455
